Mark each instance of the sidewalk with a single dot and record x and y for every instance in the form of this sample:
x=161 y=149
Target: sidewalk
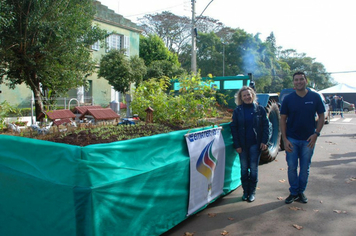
x=331 y=191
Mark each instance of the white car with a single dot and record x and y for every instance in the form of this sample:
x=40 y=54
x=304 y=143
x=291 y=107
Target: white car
x=327 y=108
x=348 y=106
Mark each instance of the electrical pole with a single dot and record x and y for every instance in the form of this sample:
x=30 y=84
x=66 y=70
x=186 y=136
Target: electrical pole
x=194 y=54
x=223 y=58
x=194 y=36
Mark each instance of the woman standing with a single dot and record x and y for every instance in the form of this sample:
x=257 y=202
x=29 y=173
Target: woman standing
x=250 y=132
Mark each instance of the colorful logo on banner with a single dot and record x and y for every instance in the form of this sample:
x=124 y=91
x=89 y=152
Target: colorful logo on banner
x=207 y=167
x=206 y=163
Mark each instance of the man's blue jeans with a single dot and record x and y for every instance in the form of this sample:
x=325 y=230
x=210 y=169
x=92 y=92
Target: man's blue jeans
x=249 y=160
x=303 y=154
x=341 y=112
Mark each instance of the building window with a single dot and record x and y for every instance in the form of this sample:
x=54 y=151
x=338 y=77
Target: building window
x=116 y=41
x=96 y=46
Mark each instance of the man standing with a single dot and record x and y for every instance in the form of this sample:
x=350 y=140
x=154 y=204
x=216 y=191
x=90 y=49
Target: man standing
x=300 y=134
x=333 y=104
x=340 y=106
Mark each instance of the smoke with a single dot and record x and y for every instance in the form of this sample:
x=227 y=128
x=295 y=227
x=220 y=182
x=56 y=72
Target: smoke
x=249 y=61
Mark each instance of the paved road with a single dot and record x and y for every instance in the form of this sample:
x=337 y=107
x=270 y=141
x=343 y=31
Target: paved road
x=331 y=191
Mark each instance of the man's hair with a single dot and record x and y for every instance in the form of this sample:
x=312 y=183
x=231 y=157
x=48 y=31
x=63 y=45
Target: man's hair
x=299 y=73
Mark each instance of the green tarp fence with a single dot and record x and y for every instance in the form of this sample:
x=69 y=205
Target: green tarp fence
x=133 y=187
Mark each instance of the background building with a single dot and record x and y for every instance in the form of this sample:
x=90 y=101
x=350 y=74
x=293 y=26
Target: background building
x=124 y=35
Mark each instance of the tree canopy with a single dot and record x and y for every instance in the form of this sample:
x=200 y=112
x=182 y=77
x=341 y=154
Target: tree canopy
x=224 y=50
x=121 y=71
x=172 y=29
x=158 y=59
x=175 y=31
x=46 y=45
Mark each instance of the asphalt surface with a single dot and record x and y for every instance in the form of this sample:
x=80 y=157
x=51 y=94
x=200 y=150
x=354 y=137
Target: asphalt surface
x=331 y=191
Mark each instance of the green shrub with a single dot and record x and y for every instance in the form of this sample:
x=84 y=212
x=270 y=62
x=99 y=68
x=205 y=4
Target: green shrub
x=26 y=111
x=194 y=102
x=151 y=93
x=20 y=112
x=5 y=110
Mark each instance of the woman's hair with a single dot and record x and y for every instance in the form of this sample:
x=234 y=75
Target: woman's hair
x=238 y=96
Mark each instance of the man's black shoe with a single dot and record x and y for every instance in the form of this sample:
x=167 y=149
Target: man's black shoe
x=251 y=198
x=303 y=198
x=291 y=198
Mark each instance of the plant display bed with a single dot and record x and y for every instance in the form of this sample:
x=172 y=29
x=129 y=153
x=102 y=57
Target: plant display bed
x=132 y=187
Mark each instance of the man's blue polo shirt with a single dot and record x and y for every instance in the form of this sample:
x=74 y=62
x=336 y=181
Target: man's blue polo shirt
x=300 y=113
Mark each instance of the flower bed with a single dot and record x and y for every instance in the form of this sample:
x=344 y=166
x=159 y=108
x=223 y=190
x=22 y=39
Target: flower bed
x=132 y=187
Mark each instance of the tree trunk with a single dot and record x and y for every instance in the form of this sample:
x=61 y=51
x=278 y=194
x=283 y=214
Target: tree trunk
x=35 y=86
x=38 y=103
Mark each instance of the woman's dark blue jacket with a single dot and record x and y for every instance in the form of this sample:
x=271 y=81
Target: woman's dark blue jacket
x=260 y=126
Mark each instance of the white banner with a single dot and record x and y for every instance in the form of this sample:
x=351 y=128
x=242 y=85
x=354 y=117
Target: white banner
x=207 y=167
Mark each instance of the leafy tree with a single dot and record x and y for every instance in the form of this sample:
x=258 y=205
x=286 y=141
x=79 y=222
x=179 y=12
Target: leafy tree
x=121 y=71
x=241 y=55
x=138 y=69
x=46 y=45
x=159 y=60
x=176 y=31
x=244 y=53
x=225 y=34
x=210 y=54
x=285 y=74
x=6 y=14
x=152 y=48
x=172 y=29
x=317 y=76
x=205 y=24
x=267 y=51
x=271 y=40
x=164 y=68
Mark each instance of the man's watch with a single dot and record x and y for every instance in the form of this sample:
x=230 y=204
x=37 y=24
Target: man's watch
x=317 y=133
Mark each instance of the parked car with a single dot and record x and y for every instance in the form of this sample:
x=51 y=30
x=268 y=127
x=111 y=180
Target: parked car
x=287 y=91
x=348 y=106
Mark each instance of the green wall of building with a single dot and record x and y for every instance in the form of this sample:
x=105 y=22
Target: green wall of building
x=101 y=90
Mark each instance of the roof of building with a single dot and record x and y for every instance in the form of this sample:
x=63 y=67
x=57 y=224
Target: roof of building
x=101 y=114
x=83 y=109
x=149 y=109
x=62 y=121
x=58 y=114
x=339 y=88
x=106 y=15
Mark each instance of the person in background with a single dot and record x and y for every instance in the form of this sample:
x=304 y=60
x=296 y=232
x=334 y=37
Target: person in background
x=300 y=133
x=333 y=104
x=250 y=133
x=340 y=106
